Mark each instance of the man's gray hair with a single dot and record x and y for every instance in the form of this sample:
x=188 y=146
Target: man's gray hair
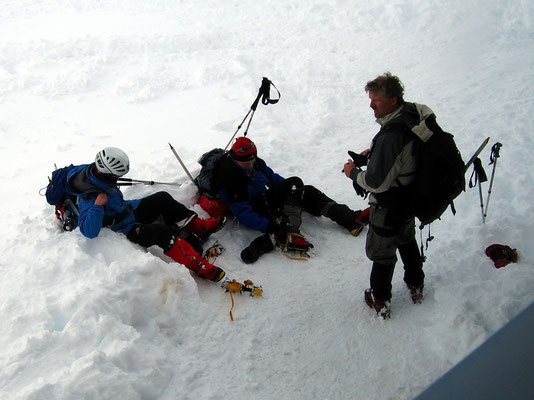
x=389 y=85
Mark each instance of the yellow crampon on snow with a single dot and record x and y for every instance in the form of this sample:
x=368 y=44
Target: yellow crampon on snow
x=254 y=290
x=232 y=286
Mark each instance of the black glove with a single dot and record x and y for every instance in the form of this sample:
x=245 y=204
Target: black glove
x=358 y=159
x=359 y=190
x=278 y=226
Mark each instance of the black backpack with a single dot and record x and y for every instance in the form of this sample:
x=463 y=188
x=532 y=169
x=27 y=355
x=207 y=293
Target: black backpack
x=56 y=194
x=440 y=171
x=208 y=178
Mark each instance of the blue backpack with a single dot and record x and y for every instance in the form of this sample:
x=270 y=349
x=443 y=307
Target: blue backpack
x=56 y=195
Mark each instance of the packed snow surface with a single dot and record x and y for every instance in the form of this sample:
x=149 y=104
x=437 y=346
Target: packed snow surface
x=106 y=319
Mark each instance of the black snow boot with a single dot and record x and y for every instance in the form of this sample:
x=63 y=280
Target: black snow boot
x=354 y=221
x=259 y=246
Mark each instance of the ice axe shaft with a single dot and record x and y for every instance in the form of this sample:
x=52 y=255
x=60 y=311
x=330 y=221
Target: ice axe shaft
x=181 y=163
x=475 y=155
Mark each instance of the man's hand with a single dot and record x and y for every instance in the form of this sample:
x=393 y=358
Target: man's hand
x=348 y=167
x=101 y=199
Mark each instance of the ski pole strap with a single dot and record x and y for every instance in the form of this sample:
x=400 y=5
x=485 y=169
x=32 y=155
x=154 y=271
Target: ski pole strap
x=495 y=152
x=428 y=239
x=266 y=99
x=265 y=94
x=478 y=175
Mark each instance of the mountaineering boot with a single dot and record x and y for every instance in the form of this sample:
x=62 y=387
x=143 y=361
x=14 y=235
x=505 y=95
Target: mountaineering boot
x=362 y=220
x=203 y=227
x=353 y=221
x=259 y=246
x=181 y=224
x=183 y=253
x=382 y=308
x=192 y=239
x=414 y=276
x=416 y=293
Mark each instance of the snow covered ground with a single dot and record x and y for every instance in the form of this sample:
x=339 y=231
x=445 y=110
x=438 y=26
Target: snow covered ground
x=104 y=319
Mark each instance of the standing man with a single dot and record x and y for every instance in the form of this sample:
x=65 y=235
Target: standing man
x=389 y=177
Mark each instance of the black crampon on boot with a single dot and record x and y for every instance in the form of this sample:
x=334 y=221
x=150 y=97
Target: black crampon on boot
x=382 y=308
x=258 y=247
x=416 y=293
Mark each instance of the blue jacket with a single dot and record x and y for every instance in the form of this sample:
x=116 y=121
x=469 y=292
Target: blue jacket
x=240 y=186
x=117 y=213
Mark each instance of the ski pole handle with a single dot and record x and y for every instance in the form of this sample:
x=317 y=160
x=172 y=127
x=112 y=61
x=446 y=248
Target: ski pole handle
x=495 y=152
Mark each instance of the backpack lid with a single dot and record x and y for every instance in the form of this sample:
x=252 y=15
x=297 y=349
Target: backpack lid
x=501 y=254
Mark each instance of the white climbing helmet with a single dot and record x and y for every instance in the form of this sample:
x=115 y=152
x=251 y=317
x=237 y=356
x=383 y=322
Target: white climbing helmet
x=112 y=161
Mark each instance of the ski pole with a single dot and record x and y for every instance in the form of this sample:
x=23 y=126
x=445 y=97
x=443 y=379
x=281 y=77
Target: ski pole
x=264 y=94
x=479 y=177
x=239 y=127
x=481 y=201
x=493 y=160
x=131 y=182
x=182 y=164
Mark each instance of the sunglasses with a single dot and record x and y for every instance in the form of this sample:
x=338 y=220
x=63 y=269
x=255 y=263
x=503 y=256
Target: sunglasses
x=246 y=148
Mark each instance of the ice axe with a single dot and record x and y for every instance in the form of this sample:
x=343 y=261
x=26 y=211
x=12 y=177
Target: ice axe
x=182 y=164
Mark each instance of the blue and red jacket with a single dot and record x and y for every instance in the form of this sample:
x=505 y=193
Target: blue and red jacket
x=240 y=186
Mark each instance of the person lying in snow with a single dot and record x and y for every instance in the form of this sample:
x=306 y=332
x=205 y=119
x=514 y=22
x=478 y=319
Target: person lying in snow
x=262 y=200
x=101 y=204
